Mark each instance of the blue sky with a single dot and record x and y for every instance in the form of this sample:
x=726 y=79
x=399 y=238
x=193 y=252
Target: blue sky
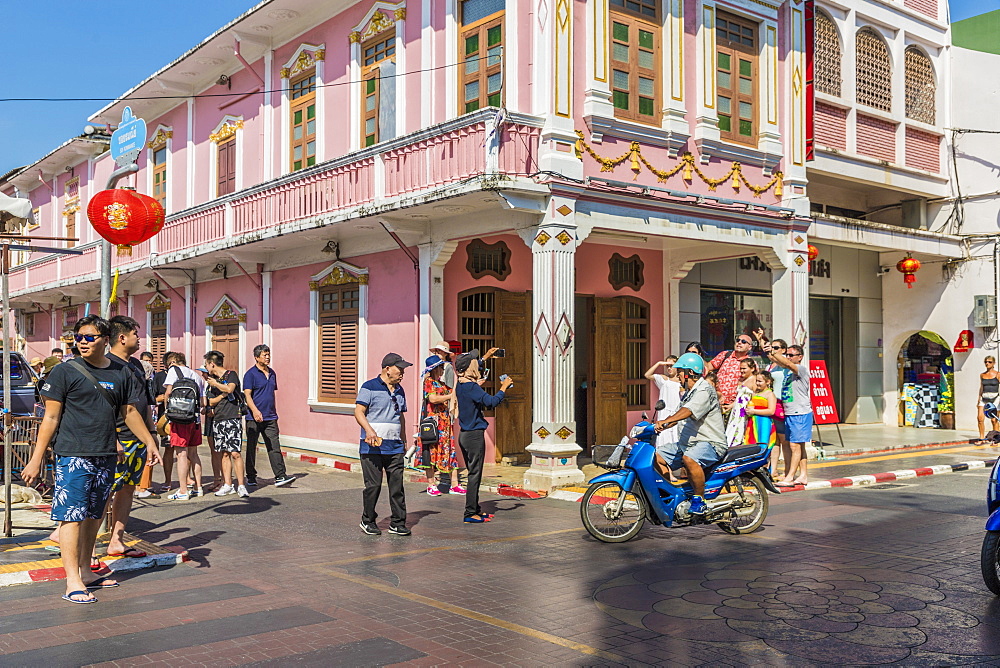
x=80 y=49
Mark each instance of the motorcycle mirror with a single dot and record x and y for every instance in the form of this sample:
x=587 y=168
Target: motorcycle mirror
x=660 y=405
x=644 y=417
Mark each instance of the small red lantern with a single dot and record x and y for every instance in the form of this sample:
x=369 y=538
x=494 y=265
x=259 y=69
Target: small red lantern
x=908 y=266
x=125 y=218
x=813 y=252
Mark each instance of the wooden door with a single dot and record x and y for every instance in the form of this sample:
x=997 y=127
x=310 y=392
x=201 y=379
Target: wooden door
x=610 y=420
x=513 y=333
x=226 y=339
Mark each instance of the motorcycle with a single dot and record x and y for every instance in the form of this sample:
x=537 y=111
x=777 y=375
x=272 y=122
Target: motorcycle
x=617 y=504
x=991 y=543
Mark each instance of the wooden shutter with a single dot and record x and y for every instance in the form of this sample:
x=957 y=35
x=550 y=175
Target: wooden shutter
x=513 y=333
x=226 y=339
x=610 y=419
x=736 y=78
x=339 y=333
x=226 y=167
x=71 y=229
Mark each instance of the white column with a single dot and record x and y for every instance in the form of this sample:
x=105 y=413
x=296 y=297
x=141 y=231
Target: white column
x=188 y=306
x=552 y=71
x=553 y=445
x=790 y=291
x=265 y=286
x=433 y=257
x=268 y=119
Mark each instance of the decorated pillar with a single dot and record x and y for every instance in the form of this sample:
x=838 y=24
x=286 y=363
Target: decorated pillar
x=553 y=445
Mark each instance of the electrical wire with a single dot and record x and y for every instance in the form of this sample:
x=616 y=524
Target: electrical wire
x=236 y=94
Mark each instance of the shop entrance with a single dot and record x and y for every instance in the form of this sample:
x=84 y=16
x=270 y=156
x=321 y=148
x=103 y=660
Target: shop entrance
x=926 y=381
x=825 y=337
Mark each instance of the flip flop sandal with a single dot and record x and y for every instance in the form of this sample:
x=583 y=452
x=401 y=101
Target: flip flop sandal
x=103 y=583
x=69 y=597
x=131 y=552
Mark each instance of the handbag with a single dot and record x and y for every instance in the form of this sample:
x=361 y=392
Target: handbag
x=428 y=431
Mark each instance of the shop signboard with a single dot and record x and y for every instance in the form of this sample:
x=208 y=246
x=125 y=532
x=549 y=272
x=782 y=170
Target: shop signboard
x=823 y=403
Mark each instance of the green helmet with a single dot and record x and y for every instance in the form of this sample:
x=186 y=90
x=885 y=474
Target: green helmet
x=691 y=362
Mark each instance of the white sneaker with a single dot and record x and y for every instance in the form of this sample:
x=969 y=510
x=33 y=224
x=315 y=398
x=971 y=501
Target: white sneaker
x=224 y=490
x=242 y=491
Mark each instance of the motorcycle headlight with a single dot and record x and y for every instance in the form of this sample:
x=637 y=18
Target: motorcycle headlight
x=636 y=430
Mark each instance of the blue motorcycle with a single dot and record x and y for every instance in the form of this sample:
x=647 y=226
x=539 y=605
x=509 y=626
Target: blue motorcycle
x=617 y=504
x=991 y=543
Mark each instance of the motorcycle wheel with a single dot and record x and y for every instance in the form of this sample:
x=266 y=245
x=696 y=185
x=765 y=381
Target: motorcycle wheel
x=991 y=561
x=748 y=520
x=607 y=520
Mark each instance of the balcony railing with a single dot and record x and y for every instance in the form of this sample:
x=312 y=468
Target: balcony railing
x=445 y=154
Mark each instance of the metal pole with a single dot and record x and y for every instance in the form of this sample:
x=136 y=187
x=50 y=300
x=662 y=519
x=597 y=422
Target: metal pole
x=113 y=180
x=8 y=455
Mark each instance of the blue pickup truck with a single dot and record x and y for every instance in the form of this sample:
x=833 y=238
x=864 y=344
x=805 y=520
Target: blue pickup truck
x=22 y=386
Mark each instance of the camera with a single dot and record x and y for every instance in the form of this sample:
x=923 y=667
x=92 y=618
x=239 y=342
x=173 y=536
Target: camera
x=501 y=352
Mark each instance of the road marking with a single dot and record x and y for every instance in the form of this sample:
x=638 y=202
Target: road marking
x=371 y=583
x=425 y=550
x=822 y=465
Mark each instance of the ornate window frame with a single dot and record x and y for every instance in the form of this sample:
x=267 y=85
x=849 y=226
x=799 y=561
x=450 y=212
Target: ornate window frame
x=909 y=81
x=837 y=56
x=887 y=42
x=229 y=127
x=306 y=57
x=226 y=310
x=391 y=15
x=335 y=274
x=621 y=260
x=162 y=137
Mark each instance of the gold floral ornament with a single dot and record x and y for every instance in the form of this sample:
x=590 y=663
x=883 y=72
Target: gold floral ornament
x=116 y=215
x=688 y=165
x=226 y=131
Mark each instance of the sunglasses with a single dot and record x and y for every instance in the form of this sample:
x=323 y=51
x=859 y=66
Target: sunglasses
x=746 y=341
x=89 y=338
x=395 y=403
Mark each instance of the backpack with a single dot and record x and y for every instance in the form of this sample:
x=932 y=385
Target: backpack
x=184 y=403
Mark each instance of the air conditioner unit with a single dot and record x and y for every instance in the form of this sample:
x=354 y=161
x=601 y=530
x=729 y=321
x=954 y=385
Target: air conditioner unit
x=985 y=312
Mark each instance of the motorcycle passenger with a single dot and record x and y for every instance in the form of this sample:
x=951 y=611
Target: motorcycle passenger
x=702 y=439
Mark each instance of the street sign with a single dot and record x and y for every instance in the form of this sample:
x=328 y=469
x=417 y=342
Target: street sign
x=824 y=406
x=128 y=140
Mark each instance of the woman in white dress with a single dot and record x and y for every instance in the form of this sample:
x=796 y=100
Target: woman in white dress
x=670 y=395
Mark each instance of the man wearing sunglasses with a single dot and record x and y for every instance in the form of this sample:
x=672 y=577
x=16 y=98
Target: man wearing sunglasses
x=83 y=399
x=727 y=368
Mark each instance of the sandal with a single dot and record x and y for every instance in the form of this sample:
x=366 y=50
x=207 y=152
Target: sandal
x=131 y=552
x=103 y=583
x=69 y=597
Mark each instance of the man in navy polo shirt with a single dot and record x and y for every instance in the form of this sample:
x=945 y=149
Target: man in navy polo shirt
x=379 y=409
x=259 y=385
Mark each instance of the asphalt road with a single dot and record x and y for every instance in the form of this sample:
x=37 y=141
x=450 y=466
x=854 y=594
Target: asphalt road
x=858 y=576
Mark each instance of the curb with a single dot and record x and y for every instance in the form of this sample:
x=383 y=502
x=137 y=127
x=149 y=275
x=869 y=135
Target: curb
x=853 y=481
x=122 y=565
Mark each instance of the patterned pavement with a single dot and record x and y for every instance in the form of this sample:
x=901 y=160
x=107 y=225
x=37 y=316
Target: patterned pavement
x=885 y=576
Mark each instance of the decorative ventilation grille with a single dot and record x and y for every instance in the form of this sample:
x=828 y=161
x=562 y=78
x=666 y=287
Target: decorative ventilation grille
x=827 y=72
x=874 y=73
x=488 y=259
x=921 y=89
x=625 y=272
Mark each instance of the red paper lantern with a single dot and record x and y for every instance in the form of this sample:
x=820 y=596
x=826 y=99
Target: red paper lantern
x=125 y=218
x=908 y=266
x=813 y=252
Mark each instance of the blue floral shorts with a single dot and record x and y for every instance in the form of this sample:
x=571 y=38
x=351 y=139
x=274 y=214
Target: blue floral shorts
x=83 y=486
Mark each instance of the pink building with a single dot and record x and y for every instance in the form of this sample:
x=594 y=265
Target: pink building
x=637 y=140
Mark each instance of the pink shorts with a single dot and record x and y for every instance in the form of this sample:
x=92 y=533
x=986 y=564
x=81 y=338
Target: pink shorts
x=185 y=435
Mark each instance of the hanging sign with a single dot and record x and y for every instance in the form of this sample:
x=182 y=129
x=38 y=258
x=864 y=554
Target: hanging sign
x=966 y=342
x=127 y=141
x=824 y=406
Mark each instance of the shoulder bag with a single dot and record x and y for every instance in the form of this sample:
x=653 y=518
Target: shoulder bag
x=89 y=376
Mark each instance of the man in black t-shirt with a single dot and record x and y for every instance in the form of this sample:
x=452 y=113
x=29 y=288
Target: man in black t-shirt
x=83 y=399
x=128 y=473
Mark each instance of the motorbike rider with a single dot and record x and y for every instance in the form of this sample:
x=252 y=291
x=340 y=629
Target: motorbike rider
x=702 y=439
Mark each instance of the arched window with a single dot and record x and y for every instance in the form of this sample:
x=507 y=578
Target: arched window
x=874 y=72
x=921 y=89
x=827 y=56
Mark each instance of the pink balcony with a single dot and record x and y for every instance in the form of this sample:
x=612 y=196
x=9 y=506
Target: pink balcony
x=46 y=272
x=192 y=230
x=75 y=265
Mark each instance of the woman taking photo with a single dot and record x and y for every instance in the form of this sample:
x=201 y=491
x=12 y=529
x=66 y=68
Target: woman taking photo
x=989 y=390
x=472 y=401
x=439 y=400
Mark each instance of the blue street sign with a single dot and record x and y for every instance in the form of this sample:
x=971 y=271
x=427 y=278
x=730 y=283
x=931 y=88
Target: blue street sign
x=128 y=140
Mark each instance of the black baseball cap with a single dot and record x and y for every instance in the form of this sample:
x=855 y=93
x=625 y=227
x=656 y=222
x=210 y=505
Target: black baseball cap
x=464 y=361
x=395 y=359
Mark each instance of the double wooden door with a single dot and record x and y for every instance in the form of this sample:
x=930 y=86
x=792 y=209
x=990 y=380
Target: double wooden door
x=226 y=339
x=513 y=333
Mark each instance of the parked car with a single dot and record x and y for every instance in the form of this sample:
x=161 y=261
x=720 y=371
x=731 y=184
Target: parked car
x=22 y=386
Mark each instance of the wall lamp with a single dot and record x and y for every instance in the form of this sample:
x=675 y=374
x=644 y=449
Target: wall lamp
x=332 y=247
x=221 y=269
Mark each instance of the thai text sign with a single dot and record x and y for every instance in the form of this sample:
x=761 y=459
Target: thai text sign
x=127 y=141
x=824 y=406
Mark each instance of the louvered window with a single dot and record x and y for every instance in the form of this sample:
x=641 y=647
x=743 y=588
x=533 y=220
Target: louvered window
x=226 y=167
x=635 y=58
x=736 y=77
x=377 y=80
x=827 y=56
x=874 y=73
x=303 y=117
x=482 y=44
x=339 y=306
x=158 y=336
x=921 y=89
x=160 y=176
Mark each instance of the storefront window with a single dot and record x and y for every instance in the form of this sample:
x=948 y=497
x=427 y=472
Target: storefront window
x=724 y=314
